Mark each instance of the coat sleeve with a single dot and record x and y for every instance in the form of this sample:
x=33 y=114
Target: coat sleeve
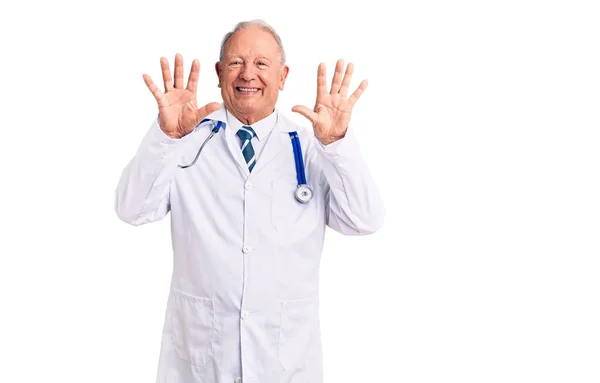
x=142 y=194
x=353 y=202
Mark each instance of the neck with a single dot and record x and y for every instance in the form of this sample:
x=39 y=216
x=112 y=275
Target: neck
x=249 y=119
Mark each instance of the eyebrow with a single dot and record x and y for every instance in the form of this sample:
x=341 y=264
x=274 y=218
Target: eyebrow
x=233 y=56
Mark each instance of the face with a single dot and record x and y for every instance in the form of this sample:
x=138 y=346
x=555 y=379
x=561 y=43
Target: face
x=251 y=74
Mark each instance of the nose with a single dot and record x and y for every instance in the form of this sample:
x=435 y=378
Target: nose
x=247 y=73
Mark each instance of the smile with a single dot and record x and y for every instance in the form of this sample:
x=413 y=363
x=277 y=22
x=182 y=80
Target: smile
x=247 y=90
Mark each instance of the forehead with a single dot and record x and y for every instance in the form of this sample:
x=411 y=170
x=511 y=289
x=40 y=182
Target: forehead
x=252 y=42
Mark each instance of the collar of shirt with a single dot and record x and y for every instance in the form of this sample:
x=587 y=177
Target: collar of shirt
x=262 y=127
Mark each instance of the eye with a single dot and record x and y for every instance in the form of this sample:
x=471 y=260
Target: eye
x=262 y=64
x=235 y=63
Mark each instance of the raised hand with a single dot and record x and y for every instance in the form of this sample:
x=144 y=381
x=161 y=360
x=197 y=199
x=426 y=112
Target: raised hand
x=177 y=108
x=331 y=114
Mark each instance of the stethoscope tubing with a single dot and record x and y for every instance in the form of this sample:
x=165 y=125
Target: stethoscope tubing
x=215 y=130
x=303 y=193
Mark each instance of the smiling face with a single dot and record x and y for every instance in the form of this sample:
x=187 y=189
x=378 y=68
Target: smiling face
x=251 y=74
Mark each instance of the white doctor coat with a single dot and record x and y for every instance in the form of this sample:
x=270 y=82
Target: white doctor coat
x=244 y=303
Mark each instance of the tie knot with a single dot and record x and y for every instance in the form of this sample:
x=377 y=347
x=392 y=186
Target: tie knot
x=246 y=133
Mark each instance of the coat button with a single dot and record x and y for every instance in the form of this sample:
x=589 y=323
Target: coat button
x=245 y=314
x=249 y=186
x=238 y=380
x=246 y=249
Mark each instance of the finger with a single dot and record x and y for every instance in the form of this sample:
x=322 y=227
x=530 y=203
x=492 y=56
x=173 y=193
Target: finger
x=178 y=71
x=207 y=109
x=337 y=77
x=303 y=110
x=166 y=73
x=358 y=92
x=153 y=88
x=193 y=79
x=347 y=78
x=321 y=81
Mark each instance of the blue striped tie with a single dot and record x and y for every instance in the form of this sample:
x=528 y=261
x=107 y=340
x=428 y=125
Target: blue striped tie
x=246 y=133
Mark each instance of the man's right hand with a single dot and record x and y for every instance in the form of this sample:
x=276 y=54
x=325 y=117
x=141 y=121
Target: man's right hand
x=177 y=108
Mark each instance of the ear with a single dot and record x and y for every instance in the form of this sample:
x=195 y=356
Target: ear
x=218 y=70
x=284 y=72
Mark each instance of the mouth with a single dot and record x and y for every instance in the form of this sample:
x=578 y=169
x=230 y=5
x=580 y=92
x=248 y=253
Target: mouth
x=247 y=91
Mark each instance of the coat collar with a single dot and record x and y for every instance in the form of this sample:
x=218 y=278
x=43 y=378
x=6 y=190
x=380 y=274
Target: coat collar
x=278 y=141
x=282 y=124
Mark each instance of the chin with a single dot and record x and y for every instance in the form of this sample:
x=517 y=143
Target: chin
x=247 y=108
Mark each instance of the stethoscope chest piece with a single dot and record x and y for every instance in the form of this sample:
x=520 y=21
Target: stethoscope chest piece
x=303 y=193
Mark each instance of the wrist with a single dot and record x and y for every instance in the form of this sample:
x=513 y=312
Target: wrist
x=172 y=136
x=330 y=139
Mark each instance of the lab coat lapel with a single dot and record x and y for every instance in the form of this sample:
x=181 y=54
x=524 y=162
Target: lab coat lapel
x=277 y=142
x=232 y=143
x=236 y=152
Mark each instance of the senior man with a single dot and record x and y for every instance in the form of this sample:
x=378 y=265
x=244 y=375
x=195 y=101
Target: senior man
x=250 y=194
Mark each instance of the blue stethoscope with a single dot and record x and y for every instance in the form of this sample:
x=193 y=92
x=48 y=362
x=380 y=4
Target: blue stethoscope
x=303 y=193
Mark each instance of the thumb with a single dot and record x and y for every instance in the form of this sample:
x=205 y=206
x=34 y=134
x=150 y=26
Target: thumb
x=303 y=110
x=212 y=107
x=207 y=109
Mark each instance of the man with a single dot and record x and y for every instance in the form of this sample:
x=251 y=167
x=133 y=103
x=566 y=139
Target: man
x=243 y=304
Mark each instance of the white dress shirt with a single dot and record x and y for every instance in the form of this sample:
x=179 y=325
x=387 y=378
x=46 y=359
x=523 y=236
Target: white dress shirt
x=244 y=300
x=262 y=129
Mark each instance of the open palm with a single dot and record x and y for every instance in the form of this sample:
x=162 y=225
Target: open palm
x=177 y=107
x=331 y=115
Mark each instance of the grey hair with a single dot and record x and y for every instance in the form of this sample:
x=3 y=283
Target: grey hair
x=253 y=23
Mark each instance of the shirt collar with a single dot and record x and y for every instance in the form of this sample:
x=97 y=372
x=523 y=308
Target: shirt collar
x=283 y=123
x=262 y=127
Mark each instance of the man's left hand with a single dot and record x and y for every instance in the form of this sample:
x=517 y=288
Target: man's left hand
x=331 y=114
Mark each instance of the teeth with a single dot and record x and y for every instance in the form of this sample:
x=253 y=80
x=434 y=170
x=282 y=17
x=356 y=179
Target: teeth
x=248 y=89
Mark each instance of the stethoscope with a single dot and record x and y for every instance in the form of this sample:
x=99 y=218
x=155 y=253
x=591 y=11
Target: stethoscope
x=303 y=193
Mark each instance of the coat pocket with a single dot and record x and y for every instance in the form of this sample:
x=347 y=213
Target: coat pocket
x=287 y=213
x=299 y=324
x=193 y=327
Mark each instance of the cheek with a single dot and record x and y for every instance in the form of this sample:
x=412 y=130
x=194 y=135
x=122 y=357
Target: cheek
x=229 y=77
x=267 y=80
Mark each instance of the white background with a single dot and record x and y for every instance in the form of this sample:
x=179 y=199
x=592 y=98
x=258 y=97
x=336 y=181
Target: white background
x=480 y=125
